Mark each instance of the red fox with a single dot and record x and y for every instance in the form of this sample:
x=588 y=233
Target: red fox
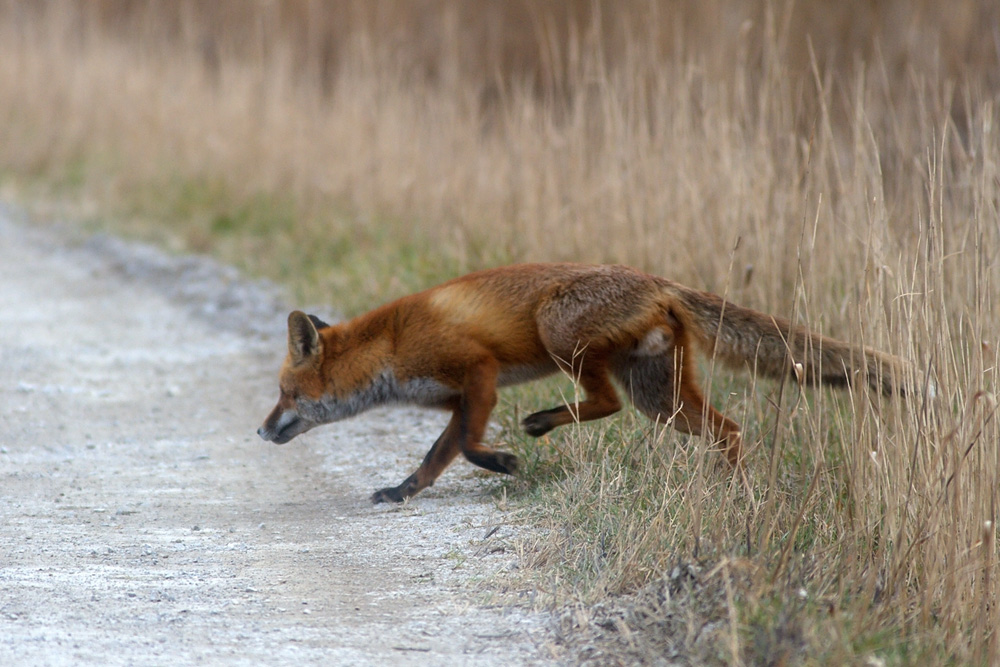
x=452 y=346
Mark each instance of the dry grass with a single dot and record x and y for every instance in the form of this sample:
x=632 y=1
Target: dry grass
x=839 y=166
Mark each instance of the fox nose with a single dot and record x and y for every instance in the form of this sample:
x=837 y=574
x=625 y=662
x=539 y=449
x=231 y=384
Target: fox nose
x=260 y=431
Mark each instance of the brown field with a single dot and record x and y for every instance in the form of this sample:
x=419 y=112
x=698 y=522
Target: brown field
x=834 y=162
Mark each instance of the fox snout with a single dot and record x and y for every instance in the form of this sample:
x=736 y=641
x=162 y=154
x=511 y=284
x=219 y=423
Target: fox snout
x=282 y=425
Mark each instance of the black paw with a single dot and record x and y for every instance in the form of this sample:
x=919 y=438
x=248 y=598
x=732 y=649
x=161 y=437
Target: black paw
x=538 y=423
x=507 y=463
x=493 y=460
x=390 y=494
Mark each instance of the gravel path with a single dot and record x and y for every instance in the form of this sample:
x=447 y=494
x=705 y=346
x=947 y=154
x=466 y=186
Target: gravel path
x=143 y=522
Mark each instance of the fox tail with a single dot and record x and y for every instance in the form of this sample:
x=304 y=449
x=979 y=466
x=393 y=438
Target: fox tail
x=774 y=347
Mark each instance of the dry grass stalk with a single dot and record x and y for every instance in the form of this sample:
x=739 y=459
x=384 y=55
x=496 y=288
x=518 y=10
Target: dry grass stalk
x=861 y=197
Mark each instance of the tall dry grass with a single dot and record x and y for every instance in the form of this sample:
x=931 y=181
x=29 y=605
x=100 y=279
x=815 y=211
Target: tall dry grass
x=833 y=162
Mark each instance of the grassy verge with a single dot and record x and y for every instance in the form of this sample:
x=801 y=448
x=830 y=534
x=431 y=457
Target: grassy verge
x=819 y=556
x=860 y=199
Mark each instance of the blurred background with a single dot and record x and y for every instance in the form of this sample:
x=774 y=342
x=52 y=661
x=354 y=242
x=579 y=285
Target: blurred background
x=491 y=45
x=371 y=147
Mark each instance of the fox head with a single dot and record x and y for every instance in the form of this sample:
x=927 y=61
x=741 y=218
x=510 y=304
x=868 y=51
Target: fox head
x=303 y=402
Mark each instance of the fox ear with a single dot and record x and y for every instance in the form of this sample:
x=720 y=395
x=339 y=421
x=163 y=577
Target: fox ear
x=303 y=340
x=318 y=323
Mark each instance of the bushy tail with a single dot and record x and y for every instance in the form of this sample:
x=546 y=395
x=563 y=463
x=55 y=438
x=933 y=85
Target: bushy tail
x=741 y=337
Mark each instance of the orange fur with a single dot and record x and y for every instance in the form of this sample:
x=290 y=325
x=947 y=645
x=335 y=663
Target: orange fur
x=452 y=346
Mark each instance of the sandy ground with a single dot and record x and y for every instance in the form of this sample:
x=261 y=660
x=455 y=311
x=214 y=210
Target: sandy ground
x=143 y=522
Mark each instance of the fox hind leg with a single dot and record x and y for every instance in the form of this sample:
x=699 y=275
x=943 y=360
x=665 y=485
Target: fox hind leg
x=698 y=417
x=665 y=387
x=602 y=400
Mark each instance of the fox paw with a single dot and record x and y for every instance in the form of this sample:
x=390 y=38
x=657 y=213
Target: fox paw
x=490 y=459
x=538 y=423
x=390 y=494
x=506 y=463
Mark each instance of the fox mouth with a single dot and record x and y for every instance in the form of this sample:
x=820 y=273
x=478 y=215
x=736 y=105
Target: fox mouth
x=286 y=432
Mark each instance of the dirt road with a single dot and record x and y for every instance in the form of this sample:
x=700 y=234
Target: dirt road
x=143 y=522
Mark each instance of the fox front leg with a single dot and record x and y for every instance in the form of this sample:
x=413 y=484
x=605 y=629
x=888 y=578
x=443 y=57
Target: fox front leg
x=470 y=414
x=443 y=452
